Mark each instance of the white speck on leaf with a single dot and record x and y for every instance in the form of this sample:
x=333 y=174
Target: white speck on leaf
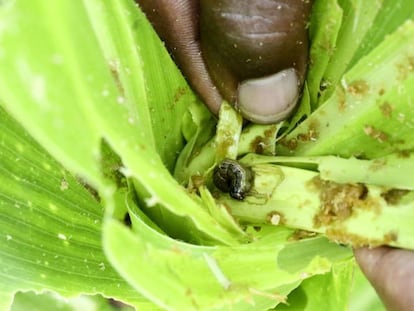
x=344 y=83
x=152 y=201
x=125 y=171
x=102 y=266
x=64 y=185
x=275 y=219
x=120 y=99
x=62 y=236
x=8 y=237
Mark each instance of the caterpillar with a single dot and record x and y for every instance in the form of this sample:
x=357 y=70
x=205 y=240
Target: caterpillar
x=232 y=177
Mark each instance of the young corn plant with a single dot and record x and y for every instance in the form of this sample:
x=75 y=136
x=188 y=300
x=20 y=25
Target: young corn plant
x=108 y=158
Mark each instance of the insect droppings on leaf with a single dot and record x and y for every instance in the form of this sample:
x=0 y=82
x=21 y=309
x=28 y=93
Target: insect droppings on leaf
x=359 y=87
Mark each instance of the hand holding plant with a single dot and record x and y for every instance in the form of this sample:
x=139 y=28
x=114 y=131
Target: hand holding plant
x=379 y=270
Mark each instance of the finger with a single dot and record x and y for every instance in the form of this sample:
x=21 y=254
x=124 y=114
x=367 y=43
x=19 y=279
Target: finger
x=176 y=22
x=391 y=272
x=256 y=53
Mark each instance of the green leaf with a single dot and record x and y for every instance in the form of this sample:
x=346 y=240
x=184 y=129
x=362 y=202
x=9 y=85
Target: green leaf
x=325 y=23
x=6 y=300
x=198 y=128
x=349 y=213
x=147 y=80
x=108 y=94
x=383 y=171
x=228 y=133
x=52 y=302
x=215 y=277
x=50 y=224
x=329 y=291
x=358 y=17
x=54 y=86
x=204 y=150
x=392 y=14
x=54 y=236
x=363 y=295
x=91 y=82
x=370 y=113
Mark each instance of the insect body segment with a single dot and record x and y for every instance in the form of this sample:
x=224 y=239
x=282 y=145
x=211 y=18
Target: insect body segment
x=232 y=177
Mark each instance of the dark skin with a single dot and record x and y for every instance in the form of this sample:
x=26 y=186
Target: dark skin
x=390 y=270
x=176 y=22
x=252 y=54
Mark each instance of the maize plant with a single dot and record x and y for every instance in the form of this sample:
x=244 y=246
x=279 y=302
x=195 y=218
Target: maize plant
x=119 y=190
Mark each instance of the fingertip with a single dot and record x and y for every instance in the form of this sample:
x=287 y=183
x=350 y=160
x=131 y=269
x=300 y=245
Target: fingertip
x=269 y=99
x=391 y=272
x=369 y=258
